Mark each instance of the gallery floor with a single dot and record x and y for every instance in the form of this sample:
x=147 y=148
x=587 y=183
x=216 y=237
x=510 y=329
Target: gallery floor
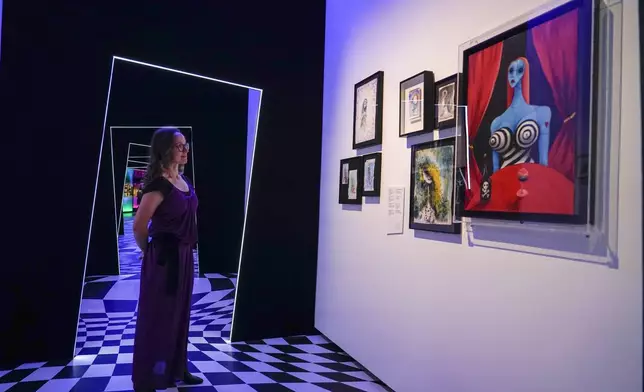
x=105 y=341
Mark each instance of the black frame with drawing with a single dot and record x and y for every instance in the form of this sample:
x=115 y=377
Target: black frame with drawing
x=376 y=111
x=444 y=206
x=352 y=164
x=375 y=191
x=440 y=87
x=423 y=119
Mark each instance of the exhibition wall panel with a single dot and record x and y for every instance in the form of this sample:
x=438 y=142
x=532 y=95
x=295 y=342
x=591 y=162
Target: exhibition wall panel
x=430 y=312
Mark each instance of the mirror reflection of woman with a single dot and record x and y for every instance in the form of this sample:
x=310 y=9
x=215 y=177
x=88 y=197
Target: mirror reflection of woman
x=169 y=205
x=521 y=126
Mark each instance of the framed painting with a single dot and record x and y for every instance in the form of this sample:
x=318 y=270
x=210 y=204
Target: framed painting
x=416 y=114
x=529 y=119
x=372 y=164
x=367 y=111
x=351 y=178
x=446 y=99
x=431 y=205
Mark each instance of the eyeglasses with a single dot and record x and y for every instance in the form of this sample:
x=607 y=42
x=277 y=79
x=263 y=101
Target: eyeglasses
x=182 y=147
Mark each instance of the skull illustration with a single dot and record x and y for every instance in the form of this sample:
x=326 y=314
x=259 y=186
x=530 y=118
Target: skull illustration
x=485 y=190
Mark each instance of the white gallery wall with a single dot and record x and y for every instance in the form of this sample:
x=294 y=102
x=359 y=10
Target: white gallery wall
x=432 y=315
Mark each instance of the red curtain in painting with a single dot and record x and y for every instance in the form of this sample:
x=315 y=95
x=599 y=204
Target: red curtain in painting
x=483 y=69
x=556 y=45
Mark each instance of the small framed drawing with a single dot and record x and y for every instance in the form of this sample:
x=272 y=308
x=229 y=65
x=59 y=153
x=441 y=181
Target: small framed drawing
x=431 y=205
x=367 y=111
x=416 y=115
x=446 y=95
x=351 y=178
x=372 y=164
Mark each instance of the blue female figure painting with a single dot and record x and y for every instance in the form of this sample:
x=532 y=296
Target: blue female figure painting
x=529 y=88
x=521 y=125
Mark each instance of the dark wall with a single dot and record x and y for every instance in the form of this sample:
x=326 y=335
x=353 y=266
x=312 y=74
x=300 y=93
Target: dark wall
x=56 y=57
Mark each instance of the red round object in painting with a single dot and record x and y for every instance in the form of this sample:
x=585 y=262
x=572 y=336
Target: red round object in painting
x=550 y=192
x=522 y=174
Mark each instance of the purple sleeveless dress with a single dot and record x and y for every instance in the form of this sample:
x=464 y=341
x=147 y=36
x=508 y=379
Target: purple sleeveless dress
x=167 y=278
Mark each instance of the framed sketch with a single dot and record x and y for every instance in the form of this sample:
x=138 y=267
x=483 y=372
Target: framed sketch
x=372 y=164
x=446 y=99
x=367 y=111
x=351 y=184
x=345 y=173
x=416 y=115
x=431 y=205
x=529 y=115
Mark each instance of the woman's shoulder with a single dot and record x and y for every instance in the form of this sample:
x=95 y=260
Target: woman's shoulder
x=159 y=184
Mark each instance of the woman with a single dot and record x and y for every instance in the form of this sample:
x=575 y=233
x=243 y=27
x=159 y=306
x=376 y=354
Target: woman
x=167 y=273
x=522 y=125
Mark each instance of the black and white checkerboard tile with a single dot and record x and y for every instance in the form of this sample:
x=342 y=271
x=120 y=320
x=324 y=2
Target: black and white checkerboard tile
x=299 y=364
x=105 y=344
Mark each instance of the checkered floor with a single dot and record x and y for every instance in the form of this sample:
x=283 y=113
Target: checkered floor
x=106 y=338
x=105 y=342
x=299 y=364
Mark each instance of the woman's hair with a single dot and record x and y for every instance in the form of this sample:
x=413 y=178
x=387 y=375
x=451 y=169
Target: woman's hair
x=161 y=149
x=525 y=82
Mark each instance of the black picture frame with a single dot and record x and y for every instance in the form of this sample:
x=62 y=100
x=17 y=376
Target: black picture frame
x=444 y=85
x=585 y=113
x=377 y=171
x=378 y=78
x=425 y=119
x=452 y=227
x=354 y=163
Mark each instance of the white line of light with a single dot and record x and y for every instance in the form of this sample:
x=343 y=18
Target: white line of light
x=137 y=162
x=140 y=145
x=185 y=73
x=116 y=216
x=194 y=184
x=467 y=147
x=250 y=180
x=91 y=219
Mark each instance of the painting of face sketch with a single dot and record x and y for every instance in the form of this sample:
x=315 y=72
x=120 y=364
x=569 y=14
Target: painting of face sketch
x=433 y=185
x=345 y=173
x=415 y=100
x=366 y=100
x=446 y=99
x=353 y=185
x=369 y=175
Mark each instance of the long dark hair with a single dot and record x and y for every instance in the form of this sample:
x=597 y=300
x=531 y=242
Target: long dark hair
x=161 y=148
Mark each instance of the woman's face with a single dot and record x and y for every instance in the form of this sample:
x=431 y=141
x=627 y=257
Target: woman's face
x=180 y=149
x=515 y=72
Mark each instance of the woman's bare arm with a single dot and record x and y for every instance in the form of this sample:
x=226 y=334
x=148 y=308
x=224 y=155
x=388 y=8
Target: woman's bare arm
x=149 y=203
